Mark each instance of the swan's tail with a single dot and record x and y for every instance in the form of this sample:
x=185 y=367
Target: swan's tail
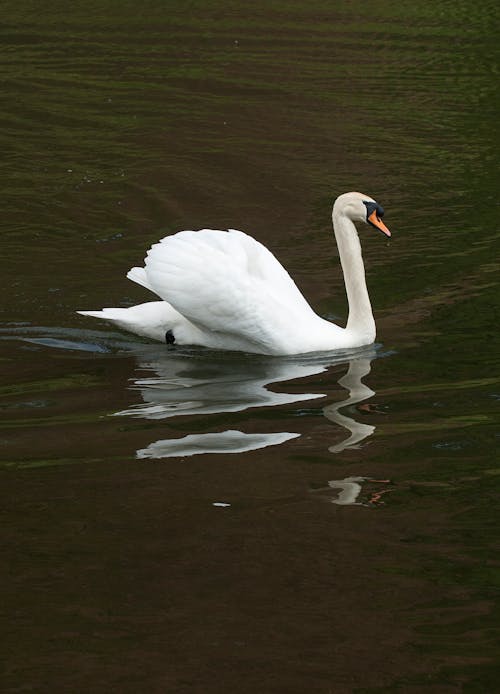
x=152 y=319
x=111 y=314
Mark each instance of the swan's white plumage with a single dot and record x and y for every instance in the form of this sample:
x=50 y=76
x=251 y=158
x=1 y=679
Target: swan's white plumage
x=224 y=289
x=246 y=293
x=151 y=319
x=138 y=275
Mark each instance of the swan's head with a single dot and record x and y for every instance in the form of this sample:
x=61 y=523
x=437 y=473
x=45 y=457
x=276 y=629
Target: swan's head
x=361 y=208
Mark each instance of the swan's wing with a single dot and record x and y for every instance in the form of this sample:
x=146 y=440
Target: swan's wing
x=226 y=282
x=138 y=275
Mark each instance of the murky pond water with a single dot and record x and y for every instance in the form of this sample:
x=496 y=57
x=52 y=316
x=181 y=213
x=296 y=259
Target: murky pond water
x=181 y=520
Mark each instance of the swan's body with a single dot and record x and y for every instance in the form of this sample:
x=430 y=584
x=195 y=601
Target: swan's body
x=225 y=290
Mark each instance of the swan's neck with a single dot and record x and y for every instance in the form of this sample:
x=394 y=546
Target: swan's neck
x=360 y=318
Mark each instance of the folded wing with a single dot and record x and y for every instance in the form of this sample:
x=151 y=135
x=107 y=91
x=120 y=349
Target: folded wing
x=225 y=282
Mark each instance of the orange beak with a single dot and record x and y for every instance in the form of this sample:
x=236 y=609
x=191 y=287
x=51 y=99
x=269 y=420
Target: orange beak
x=378 y=223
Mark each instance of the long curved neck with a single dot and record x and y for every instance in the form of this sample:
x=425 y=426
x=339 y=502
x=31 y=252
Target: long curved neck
x=360 y=318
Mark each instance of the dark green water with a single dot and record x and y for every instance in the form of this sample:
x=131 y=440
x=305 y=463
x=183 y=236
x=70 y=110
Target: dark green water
x=121 y=123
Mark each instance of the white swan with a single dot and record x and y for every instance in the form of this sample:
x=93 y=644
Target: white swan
x=225 y=290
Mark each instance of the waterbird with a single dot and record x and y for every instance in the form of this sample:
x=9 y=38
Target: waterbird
x=225 y=290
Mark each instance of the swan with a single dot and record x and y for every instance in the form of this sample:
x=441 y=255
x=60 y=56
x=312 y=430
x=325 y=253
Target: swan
x=225 y=290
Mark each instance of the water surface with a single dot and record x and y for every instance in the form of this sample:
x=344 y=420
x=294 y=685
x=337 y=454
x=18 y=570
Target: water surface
x=183 y=520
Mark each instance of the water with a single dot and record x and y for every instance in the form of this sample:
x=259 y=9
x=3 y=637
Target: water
x=182 y=520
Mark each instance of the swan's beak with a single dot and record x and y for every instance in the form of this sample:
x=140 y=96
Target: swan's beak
x=376 y=222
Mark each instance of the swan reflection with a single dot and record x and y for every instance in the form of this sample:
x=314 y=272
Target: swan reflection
x=224 y=442
x=187 y=381
x=358 y=392
x=347 y=492
x=191 y=382
x=201 y=382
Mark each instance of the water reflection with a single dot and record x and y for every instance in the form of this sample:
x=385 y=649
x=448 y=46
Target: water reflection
x=191 y=382
x=188 y=382
x=358 y=392
x=347 y=492
x=225 y=442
